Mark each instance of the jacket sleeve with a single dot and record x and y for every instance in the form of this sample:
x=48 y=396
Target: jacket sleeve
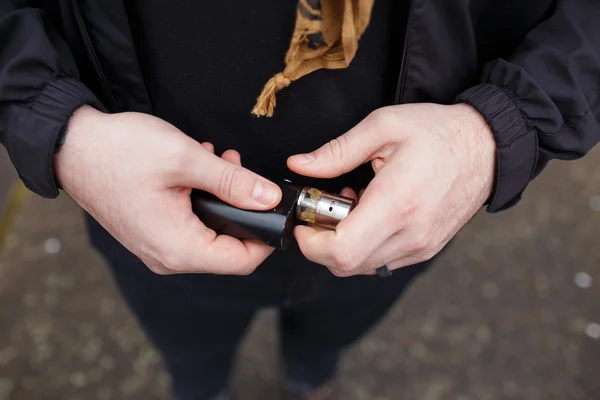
x=39 y=90
x=543 y=102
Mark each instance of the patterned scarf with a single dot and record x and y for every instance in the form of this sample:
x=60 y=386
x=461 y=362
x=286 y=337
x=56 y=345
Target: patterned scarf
x=326 y=36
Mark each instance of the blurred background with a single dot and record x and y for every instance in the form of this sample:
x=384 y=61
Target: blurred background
x=512 y=311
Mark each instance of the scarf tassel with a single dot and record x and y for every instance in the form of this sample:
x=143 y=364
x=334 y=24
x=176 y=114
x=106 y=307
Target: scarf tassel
x=265 y=104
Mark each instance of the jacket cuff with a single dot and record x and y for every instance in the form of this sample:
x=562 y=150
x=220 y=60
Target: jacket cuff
x=34 y=130
x=516 y=143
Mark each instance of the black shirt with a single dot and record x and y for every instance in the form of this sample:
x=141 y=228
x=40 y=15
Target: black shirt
x=205 y=63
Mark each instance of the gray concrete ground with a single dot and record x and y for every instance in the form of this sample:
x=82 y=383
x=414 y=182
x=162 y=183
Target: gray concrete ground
x=511 y=312
x=7 y=177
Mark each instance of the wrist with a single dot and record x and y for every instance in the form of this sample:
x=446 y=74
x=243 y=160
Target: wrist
x=482 y=144
x=82 y=120
x=70 y=143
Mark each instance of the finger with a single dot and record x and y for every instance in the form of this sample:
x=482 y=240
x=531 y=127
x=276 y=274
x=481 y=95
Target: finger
x=209 y=146
x=342 y=154
x=228 y=255
x=402 y=253
x=397 y=264
x=321 y=253
x=360 y=194
x=394 y=248
x=398 y=187
x=232 y=183
x=383 y=210
x=233 y=157
x=377 y=164
x=386 y=207
x=356 y=237
x=199 y=249
x=318 y=228
x=391 y=265
x=369 y=225
x=305 y=237
x=350 y=193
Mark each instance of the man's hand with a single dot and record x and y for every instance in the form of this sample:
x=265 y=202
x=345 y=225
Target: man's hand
x=134 y=173
x=434 y=169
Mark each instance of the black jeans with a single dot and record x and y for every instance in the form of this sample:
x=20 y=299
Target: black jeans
x=197 y=320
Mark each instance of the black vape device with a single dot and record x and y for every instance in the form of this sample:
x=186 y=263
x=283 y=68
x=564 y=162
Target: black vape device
x=274 y=227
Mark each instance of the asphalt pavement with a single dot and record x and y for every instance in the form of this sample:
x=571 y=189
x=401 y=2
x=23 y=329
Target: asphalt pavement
x=512 y=311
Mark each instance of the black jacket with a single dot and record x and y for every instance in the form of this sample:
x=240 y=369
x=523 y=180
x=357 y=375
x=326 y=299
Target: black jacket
x=532 y=68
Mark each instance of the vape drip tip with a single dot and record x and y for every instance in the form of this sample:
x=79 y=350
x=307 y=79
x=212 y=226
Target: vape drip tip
x=322 y=208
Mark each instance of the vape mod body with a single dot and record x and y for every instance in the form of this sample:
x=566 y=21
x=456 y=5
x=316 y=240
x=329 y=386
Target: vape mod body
x=273 y=227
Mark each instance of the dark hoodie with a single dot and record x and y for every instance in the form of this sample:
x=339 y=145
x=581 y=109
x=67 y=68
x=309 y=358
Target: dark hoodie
x=205 y=66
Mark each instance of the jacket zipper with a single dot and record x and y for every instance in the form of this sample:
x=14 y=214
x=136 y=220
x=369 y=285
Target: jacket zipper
x=407 y=37
x=97 y=67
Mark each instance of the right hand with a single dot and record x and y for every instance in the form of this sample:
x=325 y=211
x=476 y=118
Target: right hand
x=134 y=174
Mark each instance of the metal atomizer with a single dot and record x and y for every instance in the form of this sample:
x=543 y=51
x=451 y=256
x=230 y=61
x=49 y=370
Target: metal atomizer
x=275 y=227
x=322 y=208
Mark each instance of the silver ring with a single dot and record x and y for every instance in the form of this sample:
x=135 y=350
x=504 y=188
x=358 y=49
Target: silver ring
x=384 y=271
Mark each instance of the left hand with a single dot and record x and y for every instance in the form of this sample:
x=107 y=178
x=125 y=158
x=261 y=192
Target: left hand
x=434 y=169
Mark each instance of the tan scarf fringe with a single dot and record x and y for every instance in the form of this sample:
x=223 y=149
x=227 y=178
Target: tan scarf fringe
x=326 y=35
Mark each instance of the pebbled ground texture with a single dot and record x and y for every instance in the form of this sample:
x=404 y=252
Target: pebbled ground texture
x=512 y=311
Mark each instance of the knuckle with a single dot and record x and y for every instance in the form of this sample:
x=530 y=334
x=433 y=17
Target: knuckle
x=173 y=262
x=160 y=271
x=247 y=270
x=400 y=207
x=371 y=266
x=340 y=273
x=177 y=156
x=406 y=209
x=338 y=147
x=427 y=256
x=230 y=180
x=419 y=242
x=380 y=118
x=155 y=267
x=344 y=261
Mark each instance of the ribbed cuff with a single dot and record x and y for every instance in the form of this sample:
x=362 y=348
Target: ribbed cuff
x=34 y=129
x=516 y=143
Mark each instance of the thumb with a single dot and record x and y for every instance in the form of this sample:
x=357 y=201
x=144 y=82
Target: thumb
x=230 y=182
x=342 y=154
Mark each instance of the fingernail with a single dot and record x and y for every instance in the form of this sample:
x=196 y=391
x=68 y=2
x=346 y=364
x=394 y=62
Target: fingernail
x=304 y=158
x=264 y=194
